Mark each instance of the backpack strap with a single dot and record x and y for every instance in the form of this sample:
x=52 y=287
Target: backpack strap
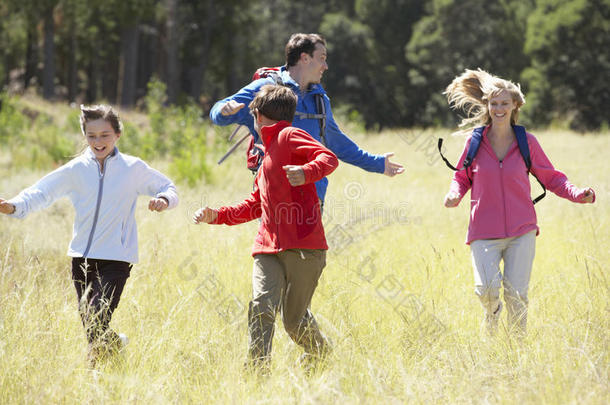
x=525 y=153
x=321 y=107
x=440 y=150
x=473 y=149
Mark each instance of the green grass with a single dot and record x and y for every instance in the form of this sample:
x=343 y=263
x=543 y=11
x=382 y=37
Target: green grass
x=397 y=300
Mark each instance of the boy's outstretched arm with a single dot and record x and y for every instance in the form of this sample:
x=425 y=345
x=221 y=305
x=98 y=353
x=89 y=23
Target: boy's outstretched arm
x=6 y=207
x=245 y=211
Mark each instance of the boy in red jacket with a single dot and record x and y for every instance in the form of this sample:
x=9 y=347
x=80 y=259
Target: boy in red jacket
x=290 y=248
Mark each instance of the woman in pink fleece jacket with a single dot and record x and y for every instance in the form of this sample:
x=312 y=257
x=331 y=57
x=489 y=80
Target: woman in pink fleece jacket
x=502 y=216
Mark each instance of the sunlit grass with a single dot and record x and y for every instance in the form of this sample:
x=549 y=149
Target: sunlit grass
x=396 y=297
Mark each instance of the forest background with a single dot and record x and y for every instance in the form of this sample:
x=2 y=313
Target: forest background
x=396 y=296
x=389 y=59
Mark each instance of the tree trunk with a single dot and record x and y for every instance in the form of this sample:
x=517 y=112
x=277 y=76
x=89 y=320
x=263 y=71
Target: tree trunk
x=30 y=56
x=172 y=52
x=93 y=74
x=197 y=72
x=128 y=66
x=148 y=57
x=73 y=69
x=48 y=77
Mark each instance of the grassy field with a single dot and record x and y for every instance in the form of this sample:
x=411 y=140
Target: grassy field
x=396 y=297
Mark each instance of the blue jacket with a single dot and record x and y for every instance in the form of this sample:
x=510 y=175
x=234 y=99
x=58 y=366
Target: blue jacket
x=104 y=201
x=342 y=146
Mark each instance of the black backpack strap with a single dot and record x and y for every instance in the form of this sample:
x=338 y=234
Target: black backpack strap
x=321 y=108
x=303 y=115
x=524 y=149
x=449 y=165
x=473 y=148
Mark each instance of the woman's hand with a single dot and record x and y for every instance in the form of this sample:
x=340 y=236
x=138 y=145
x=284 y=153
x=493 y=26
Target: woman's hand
x=452 y=200
x=588 y=197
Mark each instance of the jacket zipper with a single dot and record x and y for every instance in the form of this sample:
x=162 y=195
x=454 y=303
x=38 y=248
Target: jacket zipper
x=97 y=207
x=503 y=199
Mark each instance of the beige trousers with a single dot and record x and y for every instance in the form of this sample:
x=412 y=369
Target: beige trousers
x=517 y=253
x=286 y=282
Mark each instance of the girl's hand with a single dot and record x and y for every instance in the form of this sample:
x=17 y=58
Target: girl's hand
x=588 y=197
x=6 y=208
x=452 y=200
x=206 y=214
x=158 y=204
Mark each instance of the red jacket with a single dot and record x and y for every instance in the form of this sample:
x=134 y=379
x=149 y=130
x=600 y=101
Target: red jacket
x=290 y=216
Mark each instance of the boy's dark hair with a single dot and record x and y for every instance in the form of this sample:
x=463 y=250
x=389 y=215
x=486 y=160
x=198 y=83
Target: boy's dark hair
x=299 y=43
x=275 y=102
x=95 y=112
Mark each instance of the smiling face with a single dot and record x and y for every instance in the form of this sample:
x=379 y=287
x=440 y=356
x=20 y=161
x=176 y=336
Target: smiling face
x=101 y=138
x=501 y=108
x=316 y=64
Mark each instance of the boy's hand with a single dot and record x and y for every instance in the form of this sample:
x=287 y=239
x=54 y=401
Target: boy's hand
x=158 y=204
x=231 y=107
x=206 y=214
x=295 y=175
x=452 y=200
x=391 y=168
x=6 y=208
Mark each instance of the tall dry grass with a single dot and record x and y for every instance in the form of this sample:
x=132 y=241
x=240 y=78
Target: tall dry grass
x=396 y=297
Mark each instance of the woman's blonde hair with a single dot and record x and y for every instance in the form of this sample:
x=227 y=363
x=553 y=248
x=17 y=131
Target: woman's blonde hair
x=471 y=92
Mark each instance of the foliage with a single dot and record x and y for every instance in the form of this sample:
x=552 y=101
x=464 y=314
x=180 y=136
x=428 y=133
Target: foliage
x=37 y=139
x=389 y=59
x=441 y=48
x=568 y=41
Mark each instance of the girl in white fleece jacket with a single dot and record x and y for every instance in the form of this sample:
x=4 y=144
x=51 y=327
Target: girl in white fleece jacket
x=103 y=185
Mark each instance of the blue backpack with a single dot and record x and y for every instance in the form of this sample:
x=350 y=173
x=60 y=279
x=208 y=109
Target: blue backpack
x=475 y=143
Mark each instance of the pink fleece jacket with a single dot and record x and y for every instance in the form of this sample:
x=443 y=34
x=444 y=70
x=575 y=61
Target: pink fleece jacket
x=501 y=205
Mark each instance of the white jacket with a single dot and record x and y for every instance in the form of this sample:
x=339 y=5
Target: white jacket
x=105 y=202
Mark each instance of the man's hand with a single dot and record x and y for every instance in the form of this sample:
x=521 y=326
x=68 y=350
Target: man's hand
x=158 y=204
x=452 y=200
x=392 y=169
x=588 y=196
x=295 y=175
x=206 y=214
x=231 y=107
x=5 y=207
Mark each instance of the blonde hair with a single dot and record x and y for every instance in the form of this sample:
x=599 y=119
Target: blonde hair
x=471 y=92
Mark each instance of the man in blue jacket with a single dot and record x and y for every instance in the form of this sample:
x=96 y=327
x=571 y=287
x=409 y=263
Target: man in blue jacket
x=305 y=65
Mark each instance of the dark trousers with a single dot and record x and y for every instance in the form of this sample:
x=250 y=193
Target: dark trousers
x=99 y=284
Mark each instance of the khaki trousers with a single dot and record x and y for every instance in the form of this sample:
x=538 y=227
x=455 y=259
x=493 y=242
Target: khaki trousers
x=286 y=282
x=518 y=256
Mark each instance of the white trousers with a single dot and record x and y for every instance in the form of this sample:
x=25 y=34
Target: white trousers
x=518 y=255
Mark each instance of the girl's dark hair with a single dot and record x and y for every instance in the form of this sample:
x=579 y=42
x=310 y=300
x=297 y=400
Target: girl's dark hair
x=95 y=112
